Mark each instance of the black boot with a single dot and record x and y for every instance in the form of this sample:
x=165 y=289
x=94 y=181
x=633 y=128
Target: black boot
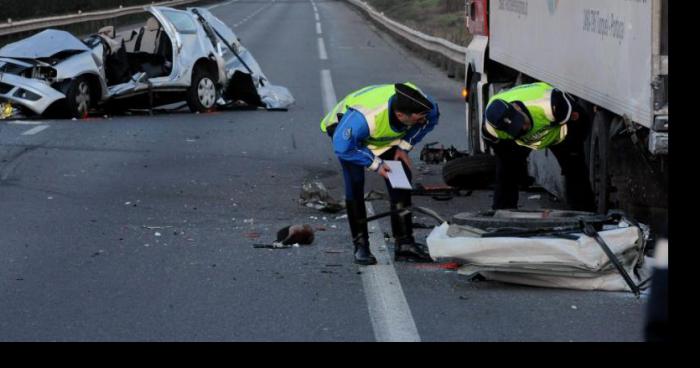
x=405 y=247
x=357 y=214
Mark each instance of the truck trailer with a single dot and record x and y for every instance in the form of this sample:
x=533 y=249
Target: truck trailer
x=610 y=54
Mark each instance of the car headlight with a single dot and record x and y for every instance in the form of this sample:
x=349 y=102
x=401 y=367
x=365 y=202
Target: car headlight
x=46 y=73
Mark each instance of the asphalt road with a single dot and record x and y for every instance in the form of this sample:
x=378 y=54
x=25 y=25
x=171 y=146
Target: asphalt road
x=141 y=228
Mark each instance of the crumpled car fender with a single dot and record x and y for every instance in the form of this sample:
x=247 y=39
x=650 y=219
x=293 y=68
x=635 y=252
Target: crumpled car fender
x=48 y=93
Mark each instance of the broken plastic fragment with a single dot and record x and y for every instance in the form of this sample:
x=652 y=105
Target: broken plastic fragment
x=315 y=195
x=296 y=234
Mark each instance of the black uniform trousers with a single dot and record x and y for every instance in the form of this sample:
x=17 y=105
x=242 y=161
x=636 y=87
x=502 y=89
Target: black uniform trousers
x=511 y=161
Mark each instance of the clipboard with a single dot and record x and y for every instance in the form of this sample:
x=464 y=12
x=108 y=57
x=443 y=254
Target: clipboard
x=397 y=176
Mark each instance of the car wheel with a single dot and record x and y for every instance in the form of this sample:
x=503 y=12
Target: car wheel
x=203 y=93
x=78 y=98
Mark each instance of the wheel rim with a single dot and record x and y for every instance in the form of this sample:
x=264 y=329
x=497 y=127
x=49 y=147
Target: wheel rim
x=82 y=98
x=206 y=91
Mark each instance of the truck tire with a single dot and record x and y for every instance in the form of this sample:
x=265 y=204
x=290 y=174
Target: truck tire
x=526 y=219
x=203 y=92
x=598 y=162
x=470 y=172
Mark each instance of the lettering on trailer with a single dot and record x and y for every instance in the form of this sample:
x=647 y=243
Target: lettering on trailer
x=515 y=6
x=606 y=26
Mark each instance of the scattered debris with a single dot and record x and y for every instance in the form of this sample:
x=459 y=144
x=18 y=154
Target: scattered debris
x=157 y=234
x=290 y=236
x=436 y=156
x=342 y=217
x=374 y=195
x=557 y=249
x=536 y=196
x=439 y=192
x=574 y=307
x=155 y=227
x=301 y=234
x=274 y=245
x=315 y=195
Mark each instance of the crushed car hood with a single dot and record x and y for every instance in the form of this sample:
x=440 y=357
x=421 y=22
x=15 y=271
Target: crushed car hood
x=43 y=45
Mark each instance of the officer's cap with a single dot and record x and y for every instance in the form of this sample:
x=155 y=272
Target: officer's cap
x=411 y=101
x=503 y=116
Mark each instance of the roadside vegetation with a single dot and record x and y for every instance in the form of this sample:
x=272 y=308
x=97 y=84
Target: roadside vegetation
x=438 y=18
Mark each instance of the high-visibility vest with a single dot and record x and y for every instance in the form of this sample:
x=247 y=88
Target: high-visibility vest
x=537 y=98
x=373 y=103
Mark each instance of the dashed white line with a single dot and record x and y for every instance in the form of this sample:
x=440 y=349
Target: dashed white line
x=322 y=49
x=318 y=28
x=218 y=5
x=23 y=122
x=35 y=130
x=251 y=15
x=317 y=17
x=327 y=91
x=389 y=312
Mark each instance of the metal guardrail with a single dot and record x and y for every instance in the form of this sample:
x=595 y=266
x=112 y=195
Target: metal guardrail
x=438 y=45
x=33 y=24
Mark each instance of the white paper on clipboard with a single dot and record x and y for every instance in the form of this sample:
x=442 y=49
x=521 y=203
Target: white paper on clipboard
x=397 y=177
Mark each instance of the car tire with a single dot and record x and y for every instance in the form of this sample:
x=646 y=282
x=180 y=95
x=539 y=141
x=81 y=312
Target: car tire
x=470 y=172
x=78 y=98
x=203 y=92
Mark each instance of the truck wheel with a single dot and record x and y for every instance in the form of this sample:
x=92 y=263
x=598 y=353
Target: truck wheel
x=78 y=98
x=470 y=172
x=526 y=219
x=203 y=92
x=598 y=163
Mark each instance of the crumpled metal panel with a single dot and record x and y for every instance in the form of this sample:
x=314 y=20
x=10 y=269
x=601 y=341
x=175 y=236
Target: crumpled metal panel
x=274 y=97
x=43 y=44
x=545 y=261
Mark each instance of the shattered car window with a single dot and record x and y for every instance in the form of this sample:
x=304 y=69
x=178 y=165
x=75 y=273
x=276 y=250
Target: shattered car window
x=182 y=22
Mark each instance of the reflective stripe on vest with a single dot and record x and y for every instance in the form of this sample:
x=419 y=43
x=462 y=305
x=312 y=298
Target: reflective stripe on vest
x=367 y=98
x=537 y=98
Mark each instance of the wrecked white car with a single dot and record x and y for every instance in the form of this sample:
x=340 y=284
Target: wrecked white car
x=177 y=55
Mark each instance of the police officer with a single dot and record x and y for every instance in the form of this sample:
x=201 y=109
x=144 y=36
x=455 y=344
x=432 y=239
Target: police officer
x=535 y=117
x=368 y=126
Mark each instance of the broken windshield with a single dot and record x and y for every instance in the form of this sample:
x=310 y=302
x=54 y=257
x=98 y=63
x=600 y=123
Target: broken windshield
x=182 y=22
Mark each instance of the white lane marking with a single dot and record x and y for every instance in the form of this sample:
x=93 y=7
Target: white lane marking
x=252 y=15
x=210 y=7
x=22 y=122
x=317 y=17
x=35 y=130
x=322 y=49
x=389 y=312
x=327 y=91
x=318 y=28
